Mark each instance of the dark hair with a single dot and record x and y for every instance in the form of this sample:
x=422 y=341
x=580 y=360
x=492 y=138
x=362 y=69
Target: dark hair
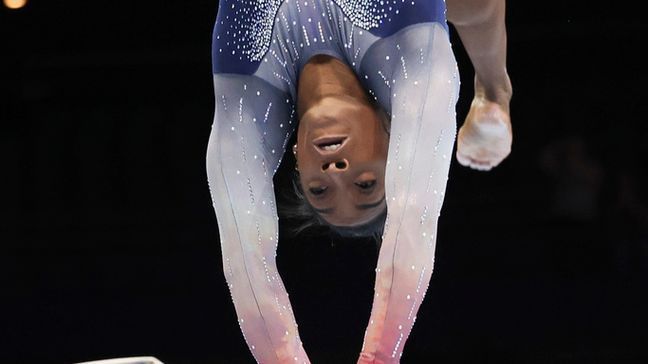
x=299 y=210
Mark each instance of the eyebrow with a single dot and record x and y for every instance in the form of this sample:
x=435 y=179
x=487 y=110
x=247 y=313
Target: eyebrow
x=366 y=206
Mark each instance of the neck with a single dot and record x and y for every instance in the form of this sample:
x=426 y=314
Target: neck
x=325 y=76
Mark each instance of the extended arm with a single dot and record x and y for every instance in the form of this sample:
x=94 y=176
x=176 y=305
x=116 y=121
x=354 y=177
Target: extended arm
x=481 y=27
x=422 y=95
x=485 y=138
x=241 y=159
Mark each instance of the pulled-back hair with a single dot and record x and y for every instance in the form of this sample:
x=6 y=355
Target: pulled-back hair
x=298 y=209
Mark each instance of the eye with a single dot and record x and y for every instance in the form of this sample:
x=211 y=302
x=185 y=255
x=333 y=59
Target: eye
x=366 y=185
x=317 y=190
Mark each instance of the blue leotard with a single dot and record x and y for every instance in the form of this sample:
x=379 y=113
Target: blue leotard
x=401 y=53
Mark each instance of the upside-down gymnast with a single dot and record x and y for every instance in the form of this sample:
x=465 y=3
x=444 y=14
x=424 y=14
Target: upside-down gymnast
x=371 y=87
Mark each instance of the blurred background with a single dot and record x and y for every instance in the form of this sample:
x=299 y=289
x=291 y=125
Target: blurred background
x=109 y=245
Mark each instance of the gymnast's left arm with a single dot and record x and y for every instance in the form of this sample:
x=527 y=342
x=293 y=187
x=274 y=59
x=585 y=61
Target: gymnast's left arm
x=421 y=89
x=242 y=157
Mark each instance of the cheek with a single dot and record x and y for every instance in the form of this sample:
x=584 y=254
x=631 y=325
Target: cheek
x=304 y=187
x=382 y=143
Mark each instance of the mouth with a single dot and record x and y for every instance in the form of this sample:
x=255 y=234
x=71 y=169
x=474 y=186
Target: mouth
x=329 y=143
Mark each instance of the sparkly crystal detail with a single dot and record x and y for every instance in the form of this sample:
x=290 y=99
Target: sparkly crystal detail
x=256 y=120
x=252 y=26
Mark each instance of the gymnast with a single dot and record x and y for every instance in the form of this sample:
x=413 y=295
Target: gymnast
x=370 y=87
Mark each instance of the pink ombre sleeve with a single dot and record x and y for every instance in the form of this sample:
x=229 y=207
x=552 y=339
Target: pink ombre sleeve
x=242 y=158
x=420 y=87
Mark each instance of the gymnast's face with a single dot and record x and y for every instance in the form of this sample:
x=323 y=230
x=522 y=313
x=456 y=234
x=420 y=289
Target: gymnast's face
x=341 y=155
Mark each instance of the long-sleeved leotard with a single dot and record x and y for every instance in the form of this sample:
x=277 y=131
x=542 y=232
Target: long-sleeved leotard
x=401 y=53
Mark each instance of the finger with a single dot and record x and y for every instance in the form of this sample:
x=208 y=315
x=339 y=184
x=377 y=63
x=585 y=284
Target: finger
x=464 y=159
x=480 y=164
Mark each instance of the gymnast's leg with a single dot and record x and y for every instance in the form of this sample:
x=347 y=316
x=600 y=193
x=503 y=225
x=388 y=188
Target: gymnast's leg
x=485 y=138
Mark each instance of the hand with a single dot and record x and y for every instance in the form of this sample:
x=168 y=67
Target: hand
x=134 y=360
x=366 y=358
x=484 y=140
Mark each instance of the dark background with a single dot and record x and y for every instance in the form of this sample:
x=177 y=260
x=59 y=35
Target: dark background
x=109 y=245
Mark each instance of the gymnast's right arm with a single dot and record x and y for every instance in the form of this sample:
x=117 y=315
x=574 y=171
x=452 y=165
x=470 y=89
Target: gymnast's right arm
x=240 y=163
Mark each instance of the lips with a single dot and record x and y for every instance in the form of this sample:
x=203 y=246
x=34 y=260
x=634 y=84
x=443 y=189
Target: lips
x=329 y=144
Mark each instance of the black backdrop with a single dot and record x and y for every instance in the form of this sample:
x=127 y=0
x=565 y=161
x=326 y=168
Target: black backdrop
x=109 y=246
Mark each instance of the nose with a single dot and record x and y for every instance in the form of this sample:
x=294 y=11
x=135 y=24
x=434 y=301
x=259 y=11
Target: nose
x=337 y=166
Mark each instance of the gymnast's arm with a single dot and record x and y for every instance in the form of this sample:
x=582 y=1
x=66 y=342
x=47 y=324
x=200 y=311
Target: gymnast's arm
x=421 y=89
x=240 y=162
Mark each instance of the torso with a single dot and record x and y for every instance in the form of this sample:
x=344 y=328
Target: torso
x=266 y=43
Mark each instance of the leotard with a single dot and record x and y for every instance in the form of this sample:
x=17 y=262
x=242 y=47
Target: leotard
x=401 y=52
